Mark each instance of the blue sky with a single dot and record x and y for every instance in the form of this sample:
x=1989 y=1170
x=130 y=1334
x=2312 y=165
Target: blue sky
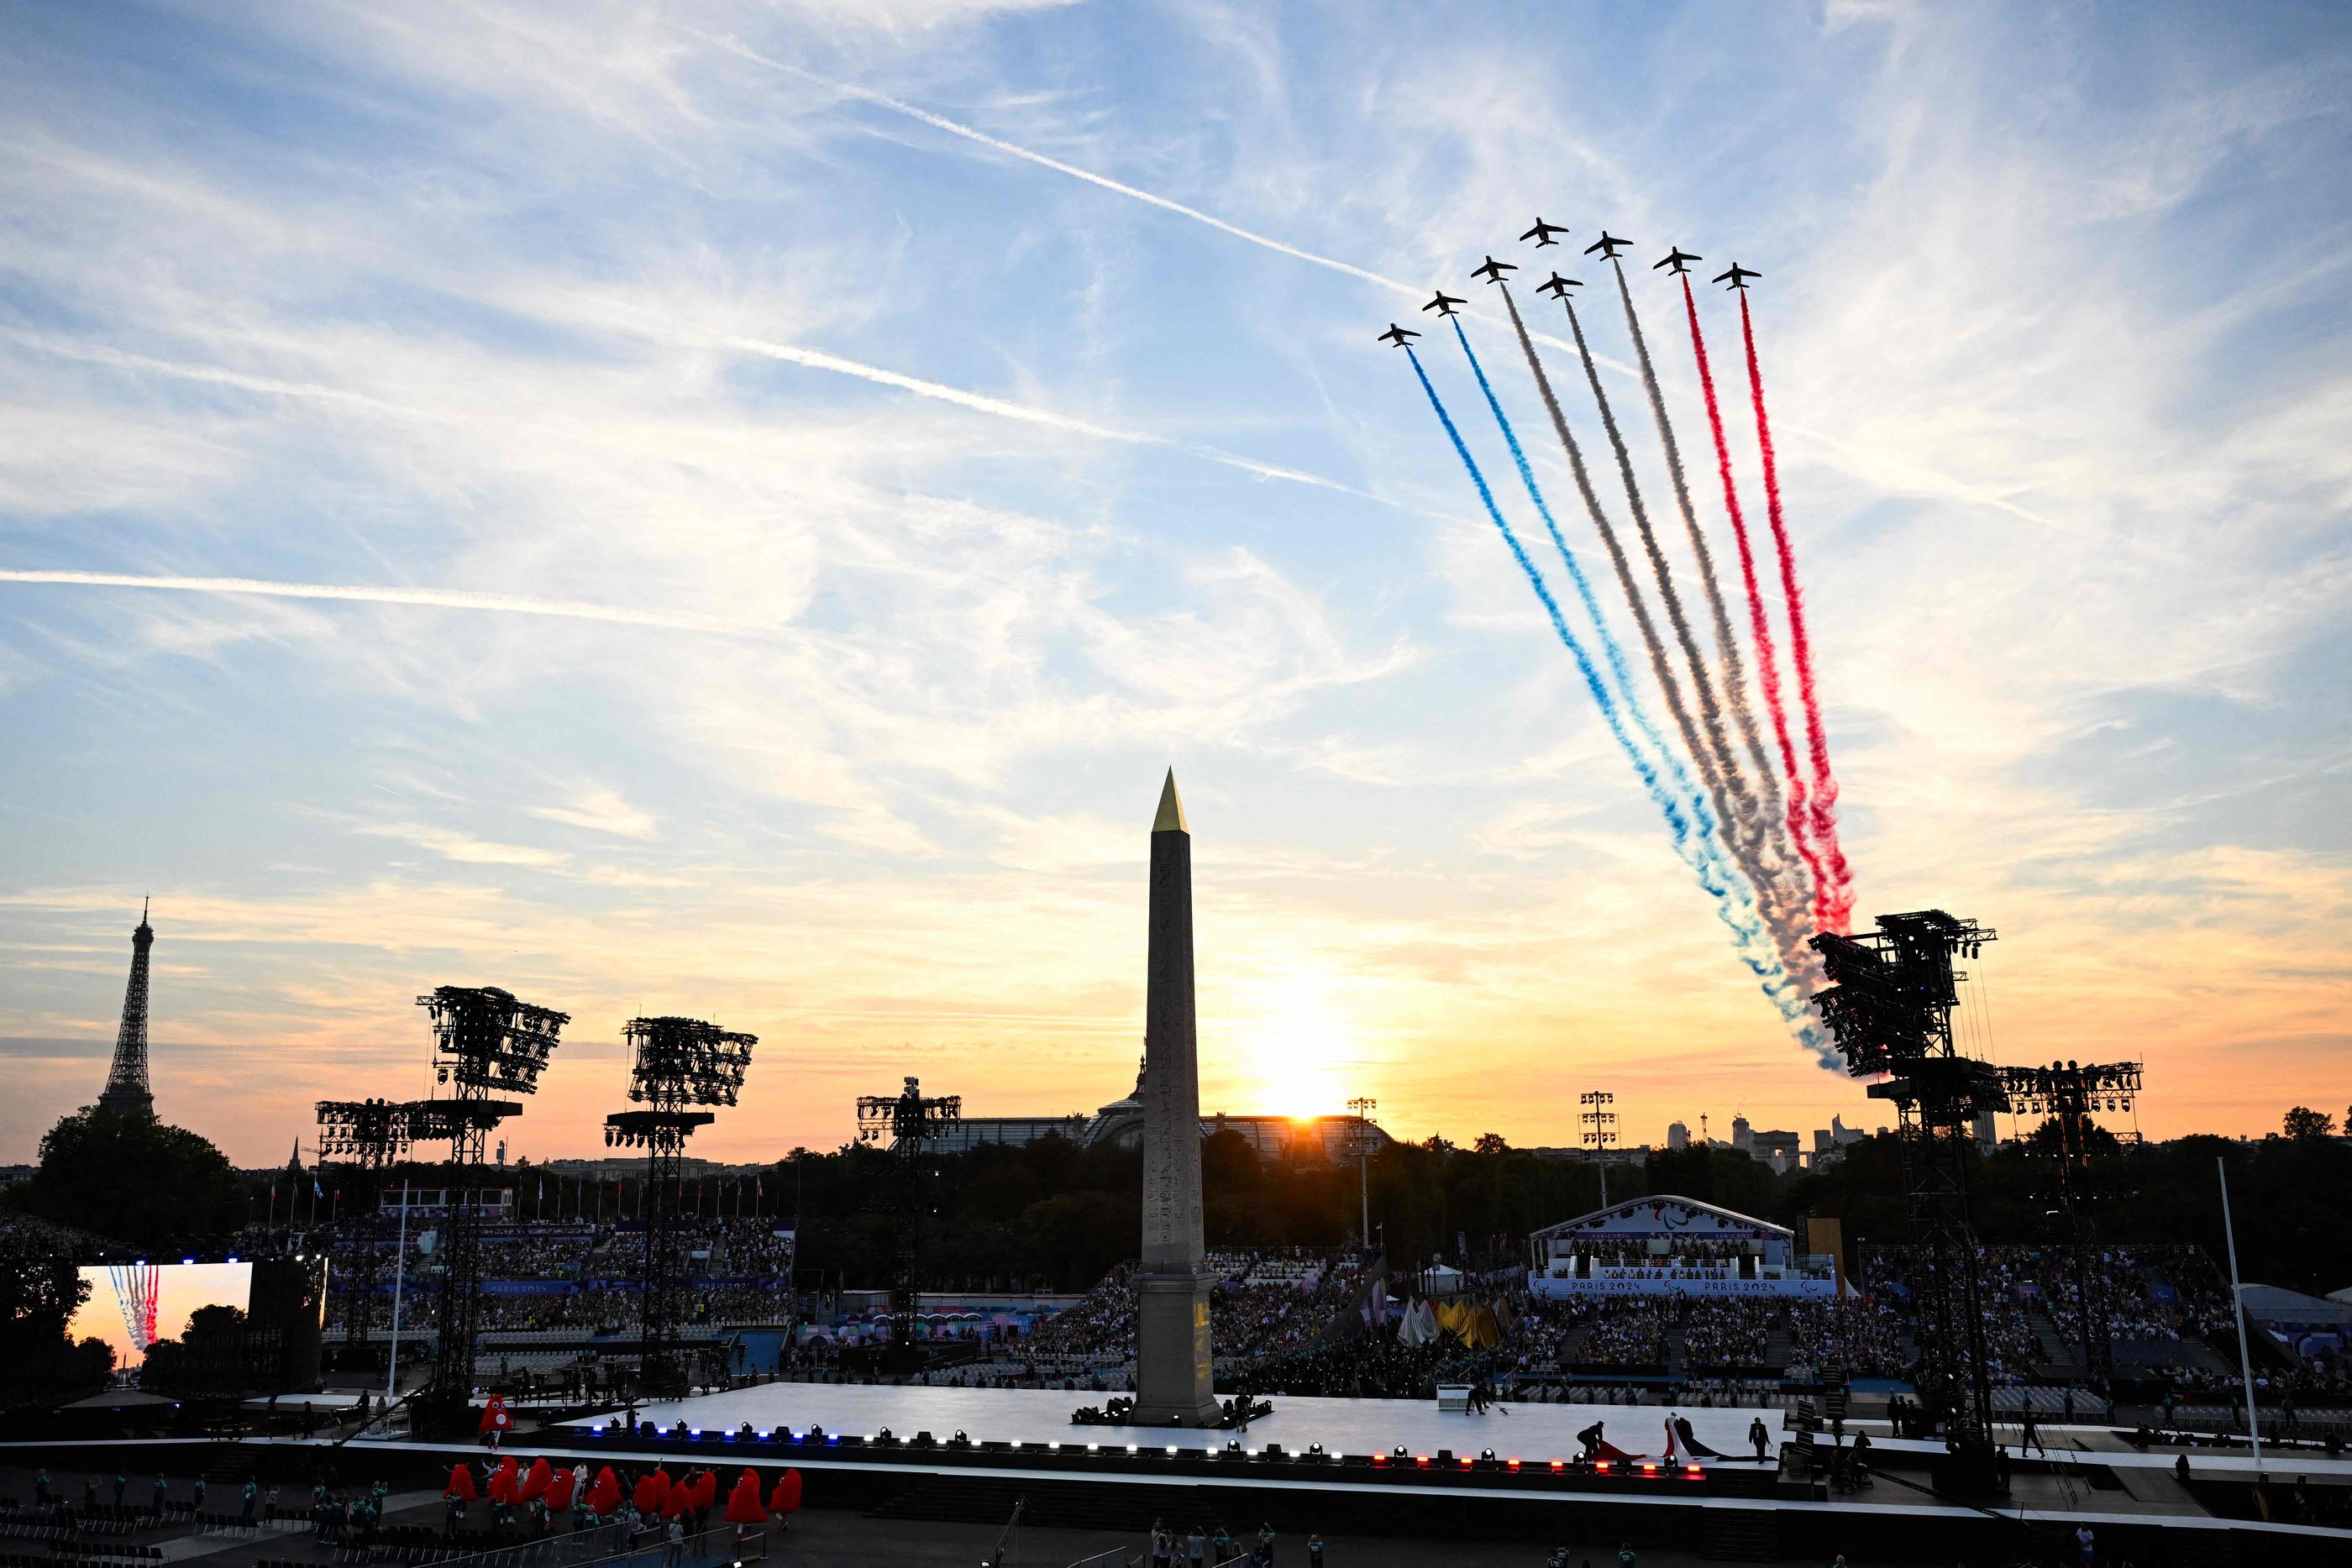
x=699 y=665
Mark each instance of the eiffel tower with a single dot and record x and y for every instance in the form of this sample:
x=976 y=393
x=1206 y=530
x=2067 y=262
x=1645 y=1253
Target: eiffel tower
x=126 y=1086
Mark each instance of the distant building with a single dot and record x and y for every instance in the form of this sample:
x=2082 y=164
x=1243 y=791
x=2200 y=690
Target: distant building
x=1987 y=1132
x=1670 y=1246
x=1322 y=1139
x=1777 y=1149
x=1012 y=1132
x=1743 y=1136
x=1677 y=1136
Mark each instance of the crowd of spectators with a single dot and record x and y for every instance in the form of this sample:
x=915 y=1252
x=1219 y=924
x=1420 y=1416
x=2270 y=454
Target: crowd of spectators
x=1861 y=1339
x=1263 y=1303
x=582 y=1276
x=1729 y=1332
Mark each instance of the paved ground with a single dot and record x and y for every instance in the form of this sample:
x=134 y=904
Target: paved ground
x=836 y=1539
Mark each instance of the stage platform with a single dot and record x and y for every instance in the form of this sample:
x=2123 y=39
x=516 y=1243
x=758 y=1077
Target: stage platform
x=1534 y=1433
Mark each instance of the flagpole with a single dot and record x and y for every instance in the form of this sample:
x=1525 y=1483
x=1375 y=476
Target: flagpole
x=399 y=1267
x=2238 y=1303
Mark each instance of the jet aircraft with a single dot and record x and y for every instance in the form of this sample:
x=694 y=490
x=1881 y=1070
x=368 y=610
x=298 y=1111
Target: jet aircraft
x=1541 y=234
x=1738 y=276
x=1493 y=271
x=1443 y=303
x=1678 y=258
x=1558 y=286
x=1607 y=246
x=1399 y=336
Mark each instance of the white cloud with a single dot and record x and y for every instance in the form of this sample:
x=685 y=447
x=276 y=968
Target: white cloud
x=601 y=810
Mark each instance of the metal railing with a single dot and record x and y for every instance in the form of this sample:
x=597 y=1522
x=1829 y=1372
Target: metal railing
x=608 y=1546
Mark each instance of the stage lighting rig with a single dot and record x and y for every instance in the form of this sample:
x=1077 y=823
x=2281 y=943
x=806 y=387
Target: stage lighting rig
x=371 y=1134
x=484 y=1039
x=2068 y=1094
x=905 y=1125
x=677 y=1066
x=1889 y=1004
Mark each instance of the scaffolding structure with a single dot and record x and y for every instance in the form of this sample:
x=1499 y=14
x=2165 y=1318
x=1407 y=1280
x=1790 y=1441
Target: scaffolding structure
x=2069 y=1093
x=906 y=1125
x=677 y=1066
x=371 y=1134
x=1889 y=1004
x=486 y=1044
x=1599 y=1125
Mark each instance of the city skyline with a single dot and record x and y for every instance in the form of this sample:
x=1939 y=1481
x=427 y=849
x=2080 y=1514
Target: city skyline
x=732 y=517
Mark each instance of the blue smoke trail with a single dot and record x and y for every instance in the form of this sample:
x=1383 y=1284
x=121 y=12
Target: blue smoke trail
x=1698 y=856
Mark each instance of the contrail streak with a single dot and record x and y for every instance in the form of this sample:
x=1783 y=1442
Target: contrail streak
x=1857 y=461
x=210 y=375
x=1720 y=882
x=424 y=597
x=1014 y=150
x=1027 y=414
x=1801 y=652
x=1768 y=663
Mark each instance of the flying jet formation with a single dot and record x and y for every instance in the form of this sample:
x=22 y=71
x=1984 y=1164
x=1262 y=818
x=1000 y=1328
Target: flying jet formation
x=1607 y=246
x=1738 y=276
x=1541 y=234
x=1558 y=286
x=1398 y=335
x=1493 y=271
x=1443 y=303
x=1678 y=258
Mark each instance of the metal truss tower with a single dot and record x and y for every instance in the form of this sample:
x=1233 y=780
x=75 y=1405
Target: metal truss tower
x=1890 y=1004
x=371 y=1134
x=485 y=1042
x=126 y=1084
x=907 y=1124
x=2069 y=1094
x=679 y=1064
x=1599 y=1132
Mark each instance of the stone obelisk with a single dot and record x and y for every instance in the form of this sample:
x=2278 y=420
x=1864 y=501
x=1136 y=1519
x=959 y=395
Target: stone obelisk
x=1173 y=1386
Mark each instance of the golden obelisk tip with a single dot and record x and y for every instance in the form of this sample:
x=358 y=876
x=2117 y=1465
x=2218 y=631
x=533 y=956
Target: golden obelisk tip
x=1170 y=819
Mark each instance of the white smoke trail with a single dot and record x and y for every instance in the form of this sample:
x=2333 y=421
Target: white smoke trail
x=424 y=597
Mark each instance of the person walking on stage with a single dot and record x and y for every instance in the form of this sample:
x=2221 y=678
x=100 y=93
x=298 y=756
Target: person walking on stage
x=1758 y=1435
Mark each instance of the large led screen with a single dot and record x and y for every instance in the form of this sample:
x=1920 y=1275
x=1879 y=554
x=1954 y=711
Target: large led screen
x=133 y=1305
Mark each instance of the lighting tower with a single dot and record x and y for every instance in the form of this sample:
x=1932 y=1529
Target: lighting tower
x=1599 y=1132
x=371 y=1133
x=905 y=1125
x=2069 y=1094
x=1362 y=1109
x=126 y=1082
x=676 y=1065
x=1889 y=1003
x=485 y=1042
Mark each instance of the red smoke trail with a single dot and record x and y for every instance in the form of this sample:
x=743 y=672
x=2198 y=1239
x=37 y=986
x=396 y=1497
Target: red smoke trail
x=1768 y=664
x=1838 y=897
